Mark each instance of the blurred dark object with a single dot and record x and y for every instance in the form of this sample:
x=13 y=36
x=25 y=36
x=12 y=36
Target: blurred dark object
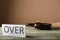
x=30 y=24
x=42 y=26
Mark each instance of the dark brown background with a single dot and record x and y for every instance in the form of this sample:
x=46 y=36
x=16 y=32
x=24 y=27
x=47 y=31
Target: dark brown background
x=24 y=11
